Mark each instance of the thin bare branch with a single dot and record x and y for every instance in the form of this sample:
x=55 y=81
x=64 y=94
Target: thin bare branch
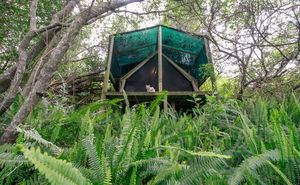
x=33 y=19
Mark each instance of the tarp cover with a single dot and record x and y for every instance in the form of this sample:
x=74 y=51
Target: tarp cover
x=185 y=49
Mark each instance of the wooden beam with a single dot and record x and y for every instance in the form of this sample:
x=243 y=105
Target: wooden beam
x=183 y=72
x=165 y=101
x=122 y=85
x=106 y=75
x=159 y=51
x=172 y=93
x=132 y=71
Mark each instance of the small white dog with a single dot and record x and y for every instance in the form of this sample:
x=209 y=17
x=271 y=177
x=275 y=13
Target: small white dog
x=150 y=89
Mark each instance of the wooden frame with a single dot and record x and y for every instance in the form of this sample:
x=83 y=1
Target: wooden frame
x=190 y=33
x=164 y=46
x=183 y=72
x=172 y=93
x=160 y=54
x=160 y=76
x=131 y=72
x=107 y=71
x=159 y=51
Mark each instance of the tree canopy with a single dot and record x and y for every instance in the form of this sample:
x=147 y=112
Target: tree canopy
x=53 y=55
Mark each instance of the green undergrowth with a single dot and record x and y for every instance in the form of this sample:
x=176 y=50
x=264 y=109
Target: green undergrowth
x=229 y=142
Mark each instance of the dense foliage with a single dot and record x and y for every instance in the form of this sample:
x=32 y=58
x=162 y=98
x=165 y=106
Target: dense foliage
x=14 y=18
x=228 y=142
x=52 y=56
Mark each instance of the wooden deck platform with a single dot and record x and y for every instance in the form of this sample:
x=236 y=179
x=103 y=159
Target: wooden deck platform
x=174 y=99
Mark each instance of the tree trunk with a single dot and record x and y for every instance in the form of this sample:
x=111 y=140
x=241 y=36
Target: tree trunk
x=6 y=77
x=45 y=76
x=26 y=57
x=37 y=68
x=55 y=59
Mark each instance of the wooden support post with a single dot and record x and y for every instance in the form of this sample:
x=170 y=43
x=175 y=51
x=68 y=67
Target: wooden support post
x=107 y=71
x=160 y=78
x=159 y=51
x=166 y=103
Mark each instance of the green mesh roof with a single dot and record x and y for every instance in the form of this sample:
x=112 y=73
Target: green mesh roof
x=185 y=49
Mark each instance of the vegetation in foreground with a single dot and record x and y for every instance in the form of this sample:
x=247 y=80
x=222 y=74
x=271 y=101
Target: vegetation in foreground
x=251 y=142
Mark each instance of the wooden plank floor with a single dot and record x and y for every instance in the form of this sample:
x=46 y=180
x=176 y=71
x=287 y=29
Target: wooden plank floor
x=179 y=99
x=177 y=93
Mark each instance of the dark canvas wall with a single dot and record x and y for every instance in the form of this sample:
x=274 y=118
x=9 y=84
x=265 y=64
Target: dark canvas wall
x=146 y=75
x=173 y=80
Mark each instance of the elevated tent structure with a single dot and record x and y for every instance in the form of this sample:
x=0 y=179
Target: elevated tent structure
x=162 y=57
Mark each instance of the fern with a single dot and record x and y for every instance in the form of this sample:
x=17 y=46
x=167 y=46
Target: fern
x=124 y=144
x=157 y=101
x=108 y=177
x=11 y=159
x=280 y=173
x=107 y=137
x=251 y=164
x=89 y=146
x=164 y=174
x=152 y=166
x=248 y=134
x=12 y=165
x=94 y=161
x=133 y=176
x=207 y=154
x=200 y=169
x=33 y=134
x=56 y=171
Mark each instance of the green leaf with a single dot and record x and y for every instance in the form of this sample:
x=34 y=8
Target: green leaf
x=55 y=170
x=207 y=154
x=281 y=174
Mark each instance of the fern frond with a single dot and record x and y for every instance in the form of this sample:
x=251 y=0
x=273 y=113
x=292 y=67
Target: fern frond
x=125 y=144
x=33 y=134
x=155 y=166
x=200 y=169
x=147 y=140
x=55 y=170
x=11 y=159
x=133 y=176
x=94 y=161
x=251 y=164
x=107 y=136
x=91 y=108
x=280 y=173
x=164 y=174
x=296 y=165
x=207 y=154
x=108 y=177
x=152 y=161
x=6 y=148
x=157 y=101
